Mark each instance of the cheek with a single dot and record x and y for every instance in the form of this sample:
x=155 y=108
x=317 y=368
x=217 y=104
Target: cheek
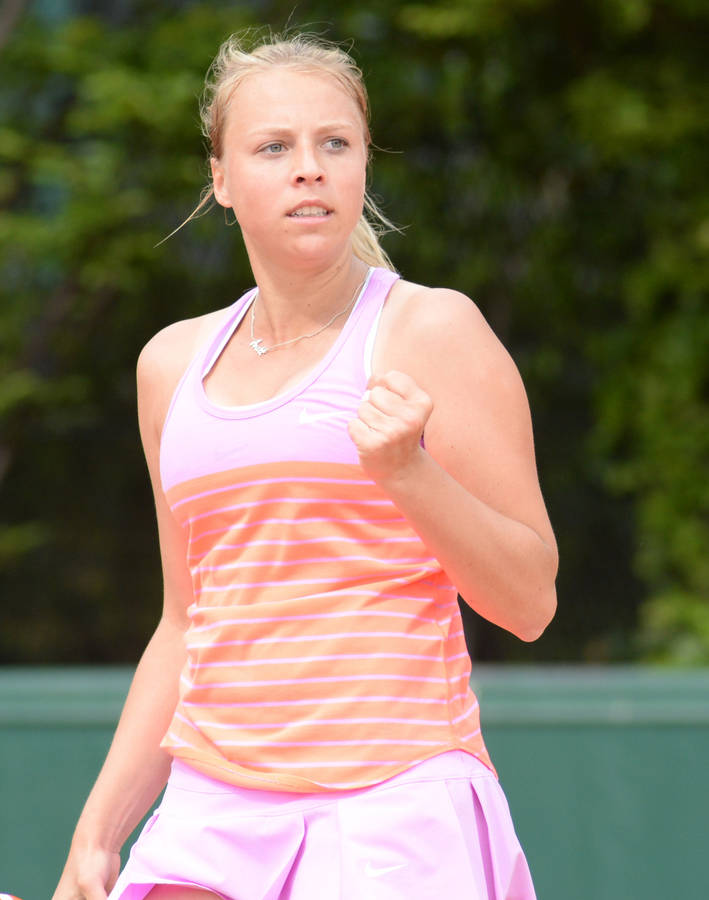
x=247 y=196
x=357 y=184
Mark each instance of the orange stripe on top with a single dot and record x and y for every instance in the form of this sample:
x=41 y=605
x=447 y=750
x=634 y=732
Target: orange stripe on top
x=325 y=646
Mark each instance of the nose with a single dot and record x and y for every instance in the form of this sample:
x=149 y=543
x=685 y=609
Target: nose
x=307 y=168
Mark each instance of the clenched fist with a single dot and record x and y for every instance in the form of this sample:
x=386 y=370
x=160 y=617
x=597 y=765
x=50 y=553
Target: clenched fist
x=389 y=425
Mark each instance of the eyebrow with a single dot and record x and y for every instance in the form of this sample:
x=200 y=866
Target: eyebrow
x=276 y=130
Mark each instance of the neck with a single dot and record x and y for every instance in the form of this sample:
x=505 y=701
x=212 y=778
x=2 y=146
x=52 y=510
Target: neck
x=293 y=302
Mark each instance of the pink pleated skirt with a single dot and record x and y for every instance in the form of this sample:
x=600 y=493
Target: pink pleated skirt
x=439 y=831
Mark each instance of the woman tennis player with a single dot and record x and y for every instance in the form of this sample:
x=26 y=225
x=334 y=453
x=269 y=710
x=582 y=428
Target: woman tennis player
x=334 y=457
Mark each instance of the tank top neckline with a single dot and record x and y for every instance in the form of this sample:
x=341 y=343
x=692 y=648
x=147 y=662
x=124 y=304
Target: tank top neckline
x=249 y=410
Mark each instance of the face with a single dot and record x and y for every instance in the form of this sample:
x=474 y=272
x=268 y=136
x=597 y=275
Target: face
x=293 y=166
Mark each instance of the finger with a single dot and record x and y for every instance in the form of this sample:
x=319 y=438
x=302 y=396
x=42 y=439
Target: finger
x=409 y=415
x=398 y=382
x=386 y=401
x=366 y=439
x=375 y=418
x=399 y=385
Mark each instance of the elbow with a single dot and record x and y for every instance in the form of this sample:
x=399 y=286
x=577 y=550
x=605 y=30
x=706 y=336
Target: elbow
x=535 y=626
x=543 y=610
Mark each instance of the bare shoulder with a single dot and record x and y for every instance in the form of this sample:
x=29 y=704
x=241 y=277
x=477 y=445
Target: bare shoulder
x=163 y=361
x=435 y=333
x=173 y=347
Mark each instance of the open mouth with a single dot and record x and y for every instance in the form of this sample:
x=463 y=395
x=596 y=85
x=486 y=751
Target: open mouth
x=310 y=211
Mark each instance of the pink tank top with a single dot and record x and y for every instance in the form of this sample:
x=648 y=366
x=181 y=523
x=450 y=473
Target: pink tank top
x=325 y=649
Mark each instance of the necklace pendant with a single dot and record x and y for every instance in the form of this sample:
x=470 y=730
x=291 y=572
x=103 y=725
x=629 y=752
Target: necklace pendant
x=256 y=345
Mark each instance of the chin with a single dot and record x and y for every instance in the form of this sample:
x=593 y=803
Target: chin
x=314 y=250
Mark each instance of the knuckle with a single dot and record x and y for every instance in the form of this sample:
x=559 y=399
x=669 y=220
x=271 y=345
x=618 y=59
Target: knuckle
x=394 y=381
x=411 y=419
x=378 y=394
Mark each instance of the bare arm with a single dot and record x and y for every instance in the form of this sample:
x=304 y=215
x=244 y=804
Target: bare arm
x=136 y=768
x=473 y=494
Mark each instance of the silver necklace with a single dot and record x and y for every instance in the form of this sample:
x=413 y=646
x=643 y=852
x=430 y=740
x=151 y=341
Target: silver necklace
x=257 y=346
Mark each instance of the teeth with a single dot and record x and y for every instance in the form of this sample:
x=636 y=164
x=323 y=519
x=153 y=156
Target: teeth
x=310 y=211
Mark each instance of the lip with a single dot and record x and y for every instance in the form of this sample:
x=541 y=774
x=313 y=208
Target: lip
x=304 y=203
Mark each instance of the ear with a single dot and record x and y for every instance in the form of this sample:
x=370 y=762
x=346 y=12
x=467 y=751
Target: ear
x=221 y=195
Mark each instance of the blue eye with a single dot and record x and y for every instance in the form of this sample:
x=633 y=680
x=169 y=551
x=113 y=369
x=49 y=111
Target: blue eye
x=337 y=143
x=273 y=148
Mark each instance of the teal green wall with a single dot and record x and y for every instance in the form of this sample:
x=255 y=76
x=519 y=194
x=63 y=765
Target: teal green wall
x=606 y=772
x=607 y=775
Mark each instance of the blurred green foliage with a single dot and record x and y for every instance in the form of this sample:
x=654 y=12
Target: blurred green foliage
x=547 y=158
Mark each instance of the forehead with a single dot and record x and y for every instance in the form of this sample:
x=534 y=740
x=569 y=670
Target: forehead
x=285 y=96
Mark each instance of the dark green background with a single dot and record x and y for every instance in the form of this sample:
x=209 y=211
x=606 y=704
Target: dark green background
x=547 y=158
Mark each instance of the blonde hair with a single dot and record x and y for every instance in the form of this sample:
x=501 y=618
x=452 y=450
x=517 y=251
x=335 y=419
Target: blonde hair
x=302 y=53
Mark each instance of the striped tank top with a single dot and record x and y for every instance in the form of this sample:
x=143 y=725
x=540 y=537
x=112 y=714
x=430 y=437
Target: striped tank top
x=325 y=647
